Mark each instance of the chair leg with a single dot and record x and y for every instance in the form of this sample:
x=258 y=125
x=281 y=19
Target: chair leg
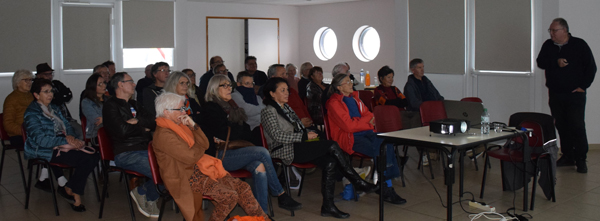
x=21 y=168
x=430 y=164
x=2 y=160
x=420 y=163
x=127 y=194
x=96 y=185
x=485 y=170
x=400 y=164
x=286 y=170
x=28 y=189
x=475 y=160
x=301 y=182
x=104 y=190
x=162 y=208
x=271 y=213
x=552 y=179
x=51 y=177
x=533 y=188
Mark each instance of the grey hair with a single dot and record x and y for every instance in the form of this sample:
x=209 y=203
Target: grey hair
x=336 y=82
x=20 y=75
x=290 y=65
x=173 y=80
x=338 y=68
x=305 y=67
x=273 y=69
x=212 y=90
x=562 y=22
x=415 y=62
x=167 y=100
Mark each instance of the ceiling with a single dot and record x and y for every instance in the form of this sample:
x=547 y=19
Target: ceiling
x=278 y=2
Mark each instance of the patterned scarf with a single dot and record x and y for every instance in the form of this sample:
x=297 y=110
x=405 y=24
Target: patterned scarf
x=59 y=125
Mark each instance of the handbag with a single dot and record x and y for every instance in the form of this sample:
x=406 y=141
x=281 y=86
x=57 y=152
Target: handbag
x=69 y=147
x=232 y=145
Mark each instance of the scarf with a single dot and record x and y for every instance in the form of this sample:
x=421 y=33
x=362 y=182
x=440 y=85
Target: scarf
x=235 y=113
x=248 y=95
x=59 y=125
x=208 y=165
x=288 y=114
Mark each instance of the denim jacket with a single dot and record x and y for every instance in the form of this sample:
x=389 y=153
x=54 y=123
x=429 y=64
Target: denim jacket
x=41 y=138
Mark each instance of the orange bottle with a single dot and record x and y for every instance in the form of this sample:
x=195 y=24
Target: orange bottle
x=367 y=79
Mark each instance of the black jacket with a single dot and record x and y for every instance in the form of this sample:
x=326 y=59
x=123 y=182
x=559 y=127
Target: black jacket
x=124 y=136
x=214 y=123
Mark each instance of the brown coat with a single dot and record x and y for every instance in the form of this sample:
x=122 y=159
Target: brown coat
x=176 y=161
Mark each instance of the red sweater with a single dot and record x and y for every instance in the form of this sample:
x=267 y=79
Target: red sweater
x=297 y=104
x=341 y=126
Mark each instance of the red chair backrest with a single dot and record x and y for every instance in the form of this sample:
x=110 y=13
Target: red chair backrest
x=537 y=137
x=326 y=125
x=262 y=137
x=154 y=165
x=105 y=146
x=83 y=125
x=387 y=118
x=3 y=134
x=472 y=99
x=432 y=110
x=366 y=97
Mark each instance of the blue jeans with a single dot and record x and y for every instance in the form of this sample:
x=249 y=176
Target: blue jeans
x=138 y=161
x=249 y=158
x=368 y=144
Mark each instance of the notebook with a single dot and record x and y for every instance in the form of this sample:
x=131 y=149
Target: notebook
x=464 y=110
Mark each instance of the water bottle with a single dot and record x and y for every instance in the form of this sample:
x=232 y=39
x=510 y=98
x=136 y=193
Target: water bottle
x=485 y=122
x=362 y=76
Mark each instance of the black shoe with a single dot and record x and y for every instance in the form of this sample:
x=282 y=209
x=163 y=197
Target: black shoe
x=564 y=162
x=62 y=192
x=44 y=185
x=390 y=196
x=80 y=208
x=332 y=210
x=286 y=202
x=581 y=166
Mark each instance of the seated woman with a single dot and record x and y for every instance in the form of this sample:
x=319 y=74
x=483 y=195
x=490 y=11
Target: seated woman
x=91 y=106
x=287 y=138
x=187 y=172
x=47 y=131
x=179 y=83
x=386 y=93
x=15 y=105
x=219 y=113
x=352 y=125
x=314 y=92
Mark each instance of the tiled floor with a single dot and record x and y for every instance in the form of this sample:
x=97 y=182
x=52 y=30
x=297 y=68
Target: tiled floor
x=578 y=197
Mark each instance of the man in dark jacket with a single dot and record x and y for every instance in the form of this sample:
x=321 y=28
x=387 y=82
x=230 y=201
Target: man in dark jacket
x=419 y=88
x=128 y=126
x=570 y=69
x=304 y=81
x=214 y=61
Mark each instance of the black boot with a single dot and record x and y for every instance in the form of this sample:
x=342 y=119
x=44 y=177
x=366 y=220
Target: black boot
x=327 y=189
x=349 y=172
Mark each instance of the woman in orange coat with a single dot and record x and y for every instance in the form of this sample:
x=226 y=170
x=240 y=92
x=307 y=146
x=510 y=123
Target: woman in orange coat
x=187 y=172
x=352 y=125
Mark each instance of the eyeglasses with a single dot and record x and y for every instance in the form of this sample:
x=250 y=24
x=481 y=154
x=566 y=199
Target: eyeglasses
x=248 y=84
x=184 y=83
x=131 y=81
x=554 y=30
x=27 y=80
x=47 y=91
x=223 y=71
x=225 y=85
x=348 y=82
x=182 y=109
x=101 y=84
x=165 y=70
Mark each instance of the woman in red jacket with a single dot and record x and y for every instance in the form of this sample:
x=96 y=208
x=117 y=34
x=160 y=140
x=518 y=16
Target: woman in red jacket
x=352 y=125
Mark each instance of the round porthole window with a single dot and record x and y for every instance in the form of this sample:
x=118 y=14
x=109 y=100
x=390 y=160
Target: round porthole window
x=366 y=43
x=325 y=43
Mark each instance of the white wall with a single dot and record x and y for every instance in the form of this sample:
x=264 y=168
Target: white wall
x=583 y=18
x=344 y=19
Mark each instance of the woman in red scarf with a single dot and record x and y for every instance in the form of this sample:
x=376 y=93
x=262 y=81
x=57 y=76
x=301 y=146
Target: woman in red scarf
x=187 y=172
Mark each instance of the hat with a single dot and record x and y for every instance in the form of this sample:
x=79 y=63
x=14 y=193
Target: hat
x=43 y=67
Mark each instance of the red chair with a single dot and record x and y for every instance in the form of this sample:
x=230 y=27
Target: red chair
x=156 y=178
x=106 y=154
x=5 y=146
x=388 y=119
x=366 y=97
x=286 y=168
x=472 y=99
x=543 y=131
x=83 y=129
x=431 y=111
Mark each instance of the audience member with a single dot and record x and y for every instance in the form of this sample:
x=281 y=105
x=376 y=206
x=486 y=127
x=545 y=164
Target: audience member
x=246 y=99
x=340 y=68
x=314 y=92
x=103 y=72
x=304 y=80
x=188 y=173
x=352 y=124
x=418 y=87
x=179 y=83
x=259 y=76
x=144 y=82
x=291 y=71
x=192 y=76
x=111 y=71
x=128 y=125
x=386 y=93
x=214 y=61
x=47 y=133
x=222 y=117
x=161 y=72
x=92 y=104
x=15 y=105
x=287 y=136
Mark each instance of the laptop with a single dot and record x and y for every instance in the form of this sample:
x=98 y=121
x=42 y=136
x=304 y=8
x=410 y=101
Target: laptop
x=464 y=110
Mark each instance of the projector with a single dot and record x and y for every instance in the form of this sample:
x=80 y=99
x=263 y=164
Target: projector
x=449 y=126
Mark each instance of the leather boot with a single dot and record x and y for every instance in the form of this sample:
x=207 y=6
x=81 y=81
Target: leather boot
x=349 y=172
x=327 y=189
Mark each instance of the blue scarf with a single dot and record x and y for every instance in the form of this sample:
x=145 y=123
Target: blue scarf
x=248 y=95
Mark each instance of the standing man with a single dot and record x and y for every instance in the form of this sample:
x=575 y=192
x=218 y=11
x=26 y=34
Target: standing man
x=570 y=69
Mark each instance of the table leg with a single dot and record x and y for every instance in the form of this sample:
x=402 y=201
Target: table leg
x=461 y=161
x=450 y=178
x=381 y=182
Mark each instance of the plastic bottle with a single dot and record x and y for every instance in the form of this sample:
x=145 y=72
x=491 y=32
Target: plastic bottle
x=485 y=122
x=362 y=76
x=367 y=79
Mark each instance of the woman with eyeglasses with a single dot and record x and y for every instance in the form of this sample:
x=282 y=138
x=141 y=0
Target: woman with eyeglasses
x=91 y=106
x=179 y=83
x=160 y=73
x=47 y=132
x=220 y=113
x=15 y=105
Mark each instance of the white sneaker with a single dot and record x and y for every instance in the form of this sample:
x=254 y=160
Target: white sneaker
x=375 y=177
x=363 y=172
x=146 y=208
x=425 y=161
x=152 y=209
